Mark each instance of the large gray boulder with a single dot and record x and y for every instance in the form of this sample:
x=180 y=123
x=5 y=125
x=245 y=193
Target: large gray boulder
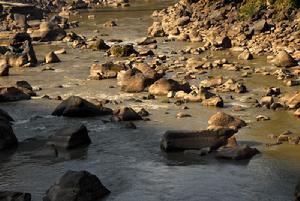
x=70 y=138
x=75 y=106
x=11 y=93
x=77 y=186
x=180 y=140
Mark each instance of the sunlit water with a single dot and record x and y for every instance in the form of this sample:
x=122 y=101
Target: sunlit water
x=129 y=162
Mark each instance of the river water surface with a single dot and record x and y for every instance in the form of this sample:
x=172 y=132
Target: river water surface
x=129 y=162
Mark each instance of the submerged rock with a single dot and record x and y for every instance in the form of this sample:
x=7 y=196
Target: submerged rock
x=222 y=119
x=14 y=196
x=70 y=138
x=241 y=152
x=75 y=186
x=180 y=140
x=75 y=106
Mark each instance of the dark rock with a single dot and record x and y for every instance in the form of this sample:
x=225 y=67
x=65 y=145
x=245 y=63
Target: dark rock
x=143 y=112
x=127 y=114
x=7 y=137
x=51 y=57
x=69 y=138
x=241 y=152
x=4 y=116
x=261 y=26
x=75 y=186
x=14 y=196
x=8 y=94
x=48 y=32
x=75 y=106
x=187 y=140
x=4 y=70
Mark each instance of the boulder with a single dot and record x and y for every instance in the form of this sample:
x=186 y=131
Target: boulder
x=156 y=30
x=105 y=71
x=261 y=26
x=14 y=196
x=241 y=152
x=70 y=138
x=297 y=113
x=9 y=94
x=4 y=116
x=48 y=32
x=51 y=57
x=127 y=114
x=75 y=186
x=221 y=119
x=7 y=138
x=147 y=41
x=163 y=86
x=4 y=69
x=291 y=100
x=266 y=101
x=215 y=101
x=223 y=42
x=212 y=82
x=181 y=140
x=245 y=55
x=98 y=45
x=284 y=59
x=132 y=81
x=147 y=71
x=75 y=106
x=121 y=50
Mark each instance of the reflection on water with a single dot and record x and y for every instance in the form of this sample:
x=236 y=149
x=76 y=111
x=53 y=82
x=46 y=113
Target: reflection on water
x=129 y=162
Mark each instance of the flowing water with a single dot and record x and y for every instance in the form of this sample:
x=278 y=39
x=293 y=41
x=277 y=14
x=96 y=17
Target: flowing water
x=129 y=162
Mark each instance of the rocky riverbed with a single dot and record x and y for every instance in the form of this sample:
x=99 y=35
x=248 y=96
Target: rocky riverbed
x=152 y=118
